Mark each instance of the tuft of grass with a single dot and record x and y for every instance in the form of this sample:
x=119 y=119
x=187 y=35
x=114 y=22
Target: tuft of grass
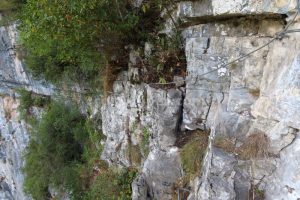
x=254 y=92
x=192 y=153
x=226 y=144
x=182 y=182
x=112 y=185
x=144 y=145
x=233 y=66
x=256 y=146
x=109 y=75
x=134 y=154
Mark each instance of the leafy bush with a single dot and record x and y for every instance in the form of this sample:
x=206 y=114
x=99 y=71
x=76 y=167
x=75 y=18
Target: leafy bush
x=29 y=99
x=166 y=61
x=8 y=5
x=73 y=37
x=64 y=154
x=111 y=185
x=54 y=151
x=76 y=39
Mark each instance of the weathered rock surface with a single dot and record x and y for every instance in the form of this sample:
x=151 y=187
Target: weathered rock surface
x=14 y=139
x=14 y=136
x=284 y=183
x=257 y=94
x=228 y=8
x=144 y=119
x=160 y=171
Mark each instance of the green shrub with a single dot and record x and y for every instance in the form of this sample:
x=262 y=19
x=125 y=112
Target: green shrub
x=9 y=10
x=64 y=154
x=29 y=99
x=55 y=151
x=111 y=185
x=77 y=39
x=74 y=38
x=193 y=152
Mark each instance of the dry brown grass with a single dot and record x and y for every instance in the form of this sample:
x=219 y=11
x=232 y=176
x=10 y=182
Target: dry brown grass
x=255 y=146
x=134 y=154
x=254 y=92
x=227 y=144
x=233 y=66
x=182 y=182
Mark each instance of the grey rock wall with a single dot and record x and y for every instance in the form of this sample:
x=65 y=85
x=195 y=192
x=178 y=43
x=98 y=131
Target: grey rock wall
x=14 y=134
x=131 y=113
x=256 y=94
x=259 y=94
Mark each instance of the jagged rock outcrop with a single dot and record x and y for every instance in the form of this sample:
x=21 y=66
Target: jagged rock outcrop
x=14 y=134
x=14 y=139
x=259 y=93
x=141 y=124
x=253 y=101
x=250 y=107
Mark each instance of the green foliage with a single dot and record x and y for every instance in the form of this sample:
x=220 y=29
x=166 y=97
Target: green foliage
x=6 y=5
x=111 y=185
x=9 y=10
x=54 y=151
x=29 y=99
x=103 y=187
x=123 y=182
x=193 y=153
x=63 y=154
x=73 y=38
x=167 y=59
x=145 y=141
x=26 y=100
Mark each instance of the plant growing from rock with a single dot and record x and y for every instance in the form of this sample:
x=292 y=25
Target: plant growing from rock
x=144 y=145
x=192 y=153
x=29 y=99
x=112 y=185
x=255 y=146
x=56 y=147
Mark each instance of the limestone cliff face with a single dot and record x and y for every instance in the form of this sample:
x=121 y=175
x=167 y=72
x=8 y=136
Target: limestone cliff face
x=14 y=136
x=254 y=101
